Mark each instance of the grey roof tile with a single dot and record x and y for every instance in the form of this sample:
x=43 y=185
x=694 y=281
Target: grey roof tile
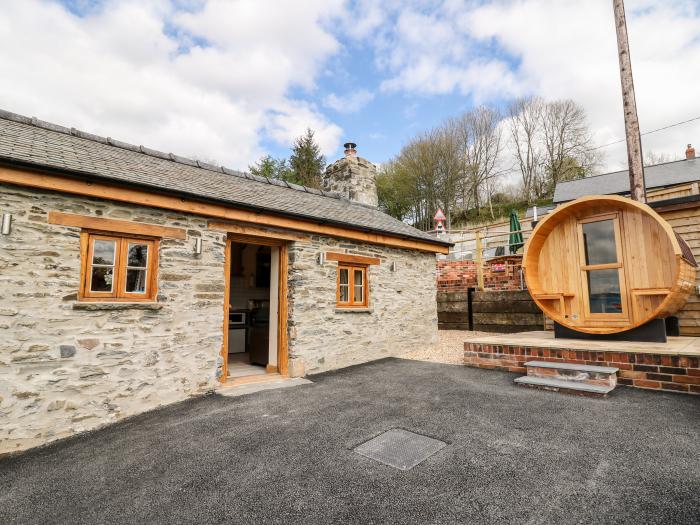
x=44 y=145
x=657 y=176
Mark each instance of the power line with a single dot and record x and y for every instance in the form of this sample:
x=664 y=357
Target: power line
x=647 y=133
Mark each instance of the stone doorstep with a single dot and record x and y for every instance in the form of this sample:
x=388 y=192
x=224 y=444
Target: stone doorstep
x=560 y=385
x=235 y=390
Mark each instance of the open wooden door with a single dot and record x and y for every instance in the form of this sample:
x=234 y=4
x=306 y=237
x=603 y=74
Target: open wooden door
x=227 y=295
x=282 y=289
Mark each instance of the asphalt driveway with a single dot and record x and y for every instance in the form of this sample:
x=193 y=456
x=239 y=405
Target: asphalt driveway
x=285 y=456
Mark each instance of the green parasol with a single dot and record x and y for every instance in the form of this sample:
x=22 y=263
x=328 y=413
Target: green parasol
x=515 y=239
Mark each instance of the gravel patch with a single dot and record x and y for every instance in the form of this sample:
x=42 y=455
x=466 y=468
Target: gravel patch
x=449 y=349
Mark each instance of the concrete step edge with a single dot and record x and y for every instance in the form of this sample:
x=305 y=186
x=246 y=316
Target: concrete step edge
x=560 y=383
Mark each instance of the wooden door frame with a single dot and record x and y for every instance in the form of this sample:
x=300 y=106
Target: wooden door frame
x=282 y=288
x=624 y=316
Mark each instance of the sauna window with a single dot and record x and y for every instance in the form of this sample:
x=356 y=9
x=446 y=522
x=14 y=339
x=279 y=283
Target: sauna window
x=602 y=266
x=599 y=242
x=118 y=268
x=604 y=295
x=352 y=286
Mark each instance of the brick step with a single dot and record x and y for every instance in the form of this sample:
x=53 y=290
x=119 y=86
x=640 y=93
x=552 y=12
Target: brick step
x=562 y=385
x=605 y=376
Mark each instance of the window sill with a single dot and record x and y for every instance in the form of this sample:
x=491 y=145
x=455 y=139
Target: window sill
x=351 y=310
x=96 y=306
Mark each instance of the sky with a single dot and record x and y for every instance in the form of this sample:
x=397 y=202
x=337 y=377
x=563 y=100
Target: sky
x=228 y=81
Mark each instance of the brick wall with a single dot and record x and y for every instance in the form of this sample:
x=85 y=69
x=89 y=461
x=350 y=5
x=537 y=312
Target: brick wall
x=500 y=273
x=676 y=373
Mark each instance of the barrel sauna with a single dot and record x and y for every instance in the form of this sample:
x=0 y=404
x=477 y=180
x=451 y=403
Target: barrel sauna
x=607 y=264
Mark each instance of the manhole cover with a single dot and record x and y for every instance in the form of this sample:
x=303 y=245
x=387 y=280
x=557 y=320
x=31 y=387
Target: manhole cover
x=400 y=448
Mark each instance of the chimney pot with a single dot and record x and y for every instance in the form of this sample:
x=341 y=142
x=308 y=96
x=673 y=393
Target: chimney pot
x=350 y=150
x=690 y=152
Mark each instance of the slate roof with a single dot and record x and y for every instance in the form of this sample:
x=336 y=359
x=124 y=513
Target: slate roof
x=657 y=176
x=31 y=142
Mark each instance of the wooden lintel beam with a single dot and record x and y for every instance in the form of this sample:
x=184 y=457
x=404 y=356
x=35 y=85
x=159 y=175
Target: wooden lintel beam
x=241 y=229
x=353 y=259
x=114 y=225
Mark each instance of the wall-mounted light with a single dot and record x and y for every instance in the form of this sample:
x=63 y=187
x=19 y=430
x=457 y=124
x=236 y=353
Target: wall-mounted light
x=6 y=223
x=394 y=266
x=198 y=246
x=321 y=258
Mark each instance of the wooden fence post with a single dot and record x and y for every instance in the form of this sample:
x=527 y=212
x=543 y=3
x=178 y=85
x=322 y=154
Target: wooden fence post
x=479 y=262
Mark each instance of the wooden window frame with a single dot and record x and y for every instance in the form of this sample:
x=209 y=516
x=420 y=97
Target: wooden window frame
x=351 y=268
x=87 y=238
x=619 y=266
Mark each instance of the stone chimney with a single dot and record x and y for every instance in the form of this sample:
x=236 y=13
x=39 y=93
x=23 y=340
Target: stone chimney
x=690 y=152
x=352 y=177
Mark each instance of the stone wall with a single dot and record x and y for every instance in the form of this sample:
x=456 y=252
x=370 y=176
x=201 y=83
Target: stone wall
x=402 y=308
x=68 y=367
x=64 y=370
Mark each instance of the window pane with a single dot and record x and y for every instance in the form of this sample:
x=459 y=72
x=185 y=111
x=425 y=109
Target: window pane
x=138 y=255
x=357 y=292
x=599 y=242
x=344 y=293
x=344 y=276
x=103 y=252
x=135 y=281
x=101 y=279
x=604 y=291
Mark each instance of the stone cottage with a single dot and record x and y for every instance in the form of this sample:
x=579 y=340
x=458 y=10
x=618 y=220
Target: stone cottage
x=132 y=278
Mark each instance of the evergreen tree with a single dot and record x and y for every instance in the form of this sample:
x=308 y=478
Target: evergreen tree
x=271 y=168
x=307 y=162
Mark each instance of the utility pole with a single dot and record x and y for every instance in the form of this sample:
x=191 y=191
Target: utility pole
x=634 y=139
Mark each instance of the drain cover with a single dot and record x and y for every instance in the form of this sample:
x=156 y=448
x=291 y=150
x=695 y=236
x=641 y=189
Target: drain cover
x=400 y=448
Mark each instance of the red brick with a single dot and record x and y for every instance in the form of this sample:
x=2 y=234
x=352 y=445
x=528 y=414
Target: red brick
x=643 y=383
x=675 y=387
x=688 y=380
x=632 y=375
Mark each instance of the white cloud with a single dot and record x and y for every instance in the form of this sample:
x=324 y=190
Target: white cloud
x=202 y=83
x=350 y=102
x=289 y=121
x=494 y=50
x=216 y=78
x=576 y=57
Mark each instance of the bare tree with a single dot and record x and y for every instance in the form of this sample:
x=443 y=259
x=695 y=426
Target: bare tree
x=525 y=126
x=568 y=145
x=479 y=139
x=419 y=159
x=446 y=153
x=651 y=158
x=551 y=142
